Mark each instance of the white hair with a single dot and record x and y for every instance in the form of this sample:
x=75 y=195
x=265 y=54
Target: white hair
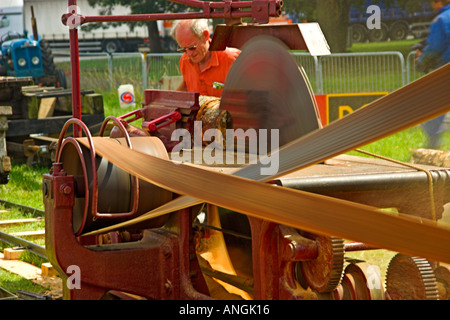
x=197 y=26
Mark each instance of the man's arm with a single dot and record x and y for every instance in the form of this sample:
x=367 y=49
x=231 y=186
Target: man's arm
x=431 y=54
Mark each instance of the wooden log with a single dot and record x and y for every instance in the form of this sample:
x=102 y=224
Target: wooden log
x=438 y=158
x=92 y=103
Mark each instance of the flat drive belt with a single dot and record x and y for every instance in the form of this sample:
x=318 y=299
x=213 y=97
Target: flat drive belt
x=307 y=211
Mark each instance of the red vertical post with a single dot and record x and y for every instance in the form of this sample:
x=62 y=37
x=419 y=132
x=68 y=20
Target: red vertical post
x=75 y=66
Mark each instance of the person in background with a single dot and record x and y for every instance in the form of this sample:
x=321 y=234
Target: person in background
x=203 y=71
x=434 y=54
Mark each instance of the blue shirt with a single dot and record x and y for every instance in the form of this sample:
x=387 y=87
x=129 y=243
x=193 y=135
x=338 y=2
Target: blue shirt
x=437 y=50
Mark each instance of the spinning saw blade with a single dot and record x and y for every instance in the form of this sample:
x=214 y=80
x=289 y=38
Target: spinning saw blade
x=265 y=89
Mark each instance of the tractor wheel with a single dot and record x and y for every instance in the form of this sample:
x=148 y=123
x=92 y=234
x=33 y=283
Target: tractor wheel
x=62 y=82
x=47 y=59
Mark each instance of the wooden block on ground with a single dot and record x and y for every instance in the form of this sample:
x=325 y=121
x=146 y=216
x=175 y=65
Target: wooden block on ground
x=92 y=103
x=48 y=270
x=12 y=254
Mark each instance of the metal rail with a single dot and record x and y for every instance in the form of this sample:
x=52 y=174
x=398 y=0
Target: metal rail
x=28 y=245
x=34 y=211
x=20 y=242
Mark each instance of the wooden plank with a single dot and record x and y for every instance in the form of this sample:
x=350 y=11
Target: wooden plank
x=46 y=107
x=18 y=221
x=43 y=138
x=37 y=233
x=25 y=127
x=33 y=90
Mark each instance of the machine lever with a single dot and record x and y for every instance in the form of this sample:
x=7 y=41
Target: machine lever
x=161 y=122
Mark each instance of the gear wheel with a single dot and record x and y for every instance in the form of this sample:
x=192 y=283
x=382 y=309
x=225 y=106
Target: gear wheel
x=410 y=278
x=324 y=273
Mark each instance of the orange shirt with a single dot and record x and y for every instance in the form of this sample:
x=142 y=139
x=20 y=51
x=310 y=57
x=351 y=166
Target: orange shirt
x=216 y=71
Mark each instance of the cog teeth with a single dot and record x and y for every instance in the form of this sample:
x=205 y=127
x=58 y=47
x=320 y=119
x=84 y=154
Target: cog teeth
x=334 y=266
x=428 y=278
x=338 y=261
x=424 y=272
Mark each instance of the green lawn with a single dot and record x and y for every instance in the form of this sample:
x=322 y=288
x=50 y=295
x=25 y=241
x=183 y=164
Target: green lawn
x=403 y=46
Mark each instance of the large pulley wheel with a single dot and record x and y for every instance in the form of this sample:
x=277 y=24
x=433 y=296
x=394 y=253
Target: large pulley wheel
x=117 y=193
x=362 y=281
x=324 y=273
x=410 y=278
x=265 y=89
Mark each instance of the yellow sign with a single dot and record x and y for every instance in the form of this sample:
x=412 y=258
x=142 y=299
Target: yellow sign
x=340 y=105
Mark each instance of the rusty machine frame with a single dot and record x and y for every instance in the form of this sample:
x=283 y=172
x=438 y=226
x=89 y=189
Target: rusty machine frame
x=160 y=262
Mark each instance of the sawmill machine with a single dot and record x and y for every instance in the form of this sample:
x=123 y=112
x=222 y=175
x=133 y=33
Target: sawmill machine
x=137 y=213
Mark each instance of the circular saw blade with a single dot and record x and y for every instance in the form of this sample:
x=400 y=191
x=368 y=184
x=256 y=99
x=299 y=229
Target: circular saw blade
x=265 y=89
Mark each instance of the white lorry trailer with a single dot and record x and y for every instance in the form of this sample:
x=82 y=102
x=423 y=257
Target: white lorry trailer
x=15 y=16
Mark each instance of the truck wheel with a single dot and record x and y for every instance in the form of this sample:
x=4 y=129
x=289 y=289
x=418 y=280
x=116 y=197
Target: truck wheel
x=399 y=31
x=170 y=44
x=376 y=35
x=358 y=33
x=111 y=46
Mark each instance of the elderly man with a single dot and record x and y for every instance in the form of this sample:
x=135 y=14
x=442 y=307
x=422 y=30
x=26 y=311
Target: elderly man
x=203 y=71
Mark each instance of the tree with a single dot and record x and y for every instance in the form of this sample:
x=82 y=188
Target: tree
x=139 y=7
x=333 y=16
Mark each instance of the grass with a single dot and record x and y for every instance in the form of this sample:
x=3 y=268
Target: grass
x=25 y=185
x=13 y=283
x=403 y=46
x=400 y=145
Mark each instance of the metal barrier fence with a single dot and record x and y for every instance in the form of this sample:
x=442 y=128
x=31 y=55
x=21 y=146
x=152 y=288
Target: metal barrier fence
x=361 y=72
x=335 y=73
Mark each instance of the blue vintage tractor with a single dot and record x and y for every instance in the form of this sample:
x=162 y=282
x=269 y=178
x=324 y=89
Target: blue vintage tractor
x=29 y=56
